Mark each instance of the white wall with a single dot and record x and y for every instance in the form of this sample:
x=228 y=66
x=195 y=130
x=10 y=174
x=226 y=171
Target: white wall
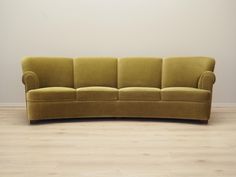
x=117 y=28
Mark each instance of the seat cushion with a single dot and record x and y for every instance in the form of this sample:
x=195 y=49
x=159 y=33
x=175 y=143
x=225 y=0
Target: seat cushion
x=139 y=72
x=184 y=94
x=52 y=94
x=97 y=94
x=90 y=72
x=140 y=93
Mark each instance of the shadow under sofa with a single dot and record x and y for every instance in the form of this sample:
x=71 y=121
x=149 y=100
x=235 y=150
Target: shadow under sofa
x=146 y=87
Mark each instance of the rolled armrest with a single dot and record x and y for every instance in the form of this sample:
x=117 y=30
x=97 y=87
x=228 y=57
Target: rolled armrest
x=206 y=80
x=31 y=81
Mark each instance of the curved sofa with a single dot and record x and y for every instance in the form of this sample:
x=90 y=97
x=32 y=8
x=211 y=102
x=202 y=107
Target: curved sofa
x=176 y=87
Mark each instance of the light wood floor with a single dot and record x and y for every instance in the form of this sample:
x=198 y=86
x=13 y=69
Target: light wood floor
x=117 y=148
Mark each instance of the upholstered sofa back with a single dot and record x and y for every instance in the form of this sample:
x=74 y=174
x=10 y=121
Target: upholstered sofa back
x=51 y=72
x=139 y=72
x=95 y=72
x=184 y=71
x=118 y=73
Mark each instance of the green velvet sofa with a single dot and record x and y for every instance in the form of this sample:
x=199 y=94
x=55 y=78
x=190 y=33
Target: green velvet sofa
x=146 y=87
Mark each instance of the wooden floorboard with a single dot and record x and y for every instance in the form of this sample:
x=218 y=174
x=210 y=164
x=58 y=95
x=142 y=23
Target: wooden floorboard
x=117 y=147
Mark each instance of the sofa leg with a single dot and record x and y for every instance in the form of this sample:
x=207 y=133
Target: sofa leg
x=204 y=122
x=31 y=122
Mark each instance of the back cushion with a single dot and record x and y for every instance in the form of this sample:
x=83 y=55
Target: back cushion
x=139 y=72
x=51 y=71
x=185 y=71
x=95 y=72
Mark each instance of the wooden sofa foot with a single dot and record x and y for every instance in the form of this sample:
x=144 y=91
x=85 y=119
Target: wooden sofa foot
x=31 y=122
x=204 y=122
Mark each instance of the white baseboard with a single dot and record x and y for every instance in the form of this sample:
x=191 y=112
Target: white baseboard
x=22 y=104
x=223 y=105
x=12 y=104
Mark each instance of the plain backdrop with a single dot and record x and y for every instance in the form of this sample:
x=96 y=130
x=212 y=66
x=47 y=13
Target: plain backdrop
x=117 y=28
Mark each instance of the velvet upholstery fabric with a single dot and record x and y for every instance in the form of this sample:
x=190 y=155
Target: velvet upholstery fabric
x=179 y=87
x=30 y=80
x=140 y=93
x=52 y=94
x=144 y=109
x=97 y=94
x=165 y=109
x=185 y=94
x=51 y=71
x=185 y=71
x=71 y=109
x=206 y=80
x=95 y=72
x=139 y=72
